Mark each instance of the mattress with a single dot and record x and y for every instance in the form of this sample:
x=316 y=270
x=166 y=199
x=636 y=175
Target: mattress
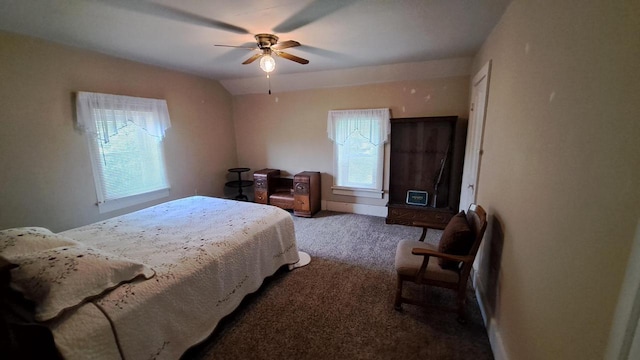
x=207 y=254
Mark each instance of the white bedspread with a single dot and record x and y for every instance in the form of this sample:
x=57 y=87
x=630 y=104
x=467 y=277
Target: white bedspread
x=208 y=254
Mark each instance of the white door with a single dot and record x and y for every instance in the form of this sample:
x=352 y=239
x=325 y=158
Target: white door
x=475 y=130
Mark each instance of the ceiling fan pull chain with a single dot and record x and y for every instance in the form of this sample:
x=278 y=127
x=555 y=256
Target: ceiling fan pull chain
x=269 y=79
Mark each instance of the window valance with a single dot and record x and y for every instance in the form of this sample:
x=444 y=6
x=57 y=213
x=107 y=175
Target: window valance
x=114 y=112
x=372 y=124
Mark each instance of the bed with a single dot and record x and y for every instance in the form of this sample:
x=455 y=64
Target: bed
x=189 y=263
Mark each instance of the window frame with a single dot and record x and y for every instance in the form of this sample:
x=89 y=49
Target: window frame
x=378 y=139
x=91 y=115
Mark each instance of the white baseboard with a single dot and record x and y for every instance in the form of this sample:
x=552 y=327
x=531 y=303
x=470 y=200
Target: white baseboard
x=361 y=209
x=496 y=341
x=479 y=295
x=490 y=324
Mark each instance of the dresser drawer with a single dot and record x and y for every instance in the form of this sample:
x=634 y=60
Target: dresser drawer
x=301 y=188
x=301 y=203
x=282 y=200
x=261 y=196
x=260 y=182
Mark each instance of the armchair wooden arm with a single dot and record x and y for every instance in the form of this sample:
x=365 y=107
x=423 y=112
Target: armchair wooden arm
x=429 y=252
x=426 y=253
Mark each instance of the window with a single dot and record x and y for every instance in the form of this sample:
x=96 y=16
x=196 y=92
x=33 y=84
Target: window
x=125 y=145
x=358 y=156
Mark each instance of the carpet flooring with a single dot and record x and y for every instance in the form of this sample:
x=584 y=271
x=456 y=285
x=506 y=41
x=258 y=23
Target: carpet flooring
x=340 y=306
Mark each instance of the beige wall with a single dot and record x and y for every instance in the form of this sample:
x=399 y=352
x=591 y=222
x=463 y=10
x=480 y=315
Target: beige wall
x=560 y=173
x=288 y=131
x=45 y=172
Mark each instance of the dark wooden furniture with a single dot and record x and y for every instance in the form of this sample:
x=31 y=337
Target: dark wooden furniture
x=417 y=262
x=266 y=183
x=19 y=332
x=239 y=183
x=300 y=194
x=306 y=193
x=425 y=155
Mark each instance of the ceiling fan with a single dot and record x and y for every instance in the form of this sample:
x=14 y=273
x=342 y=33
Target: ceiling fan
x=268 y=45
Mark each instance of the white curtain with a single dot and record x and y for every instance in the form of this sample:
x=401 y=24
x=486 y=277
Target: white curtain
x=114 y=112
x=125 y=136
x=372 y=124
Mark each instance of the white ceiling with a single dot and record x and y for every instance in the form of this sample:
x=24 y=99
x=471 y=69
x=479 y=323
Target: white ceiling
x=335 y=34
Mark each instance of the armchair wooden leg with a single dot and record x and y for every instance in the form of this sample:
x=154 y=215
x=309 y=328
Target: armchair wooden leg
x=462 y=304
x=398 y=303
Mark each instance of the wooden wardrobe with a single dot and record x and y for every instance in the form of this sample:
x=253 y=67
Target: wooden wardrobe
x=426 y=155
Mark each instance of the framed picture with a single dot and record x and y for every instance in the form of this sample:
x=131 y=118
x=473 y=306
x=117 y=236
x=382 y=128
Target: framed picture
x=417 y=197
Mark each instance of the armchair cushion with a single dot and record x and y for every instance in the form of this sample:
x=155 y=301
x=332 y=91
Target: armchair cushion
x=409 y=264
x=457 y=239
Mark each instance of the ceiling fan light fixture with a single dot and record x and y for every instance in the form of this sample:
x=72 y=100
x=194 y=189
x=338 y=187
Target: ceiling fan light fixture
x=267 y=46
x=267 y=63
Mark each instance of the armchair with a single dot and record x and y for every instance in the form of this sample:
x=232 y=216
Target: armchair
x=447 y=266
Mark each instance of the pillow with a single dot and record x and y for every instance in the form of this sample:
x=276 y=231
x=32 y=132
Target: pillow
x=64 y=277
x=457 y=239
x=25 y=240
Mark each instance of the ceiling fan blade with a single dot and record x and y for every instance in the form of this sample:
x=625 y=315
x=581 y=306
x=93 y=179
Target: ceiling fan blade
x=172 y=13
x=238 y=47
x=315 y=10
x=285 y=45
x=292 y=57
x=324 y=52
x=251 y=59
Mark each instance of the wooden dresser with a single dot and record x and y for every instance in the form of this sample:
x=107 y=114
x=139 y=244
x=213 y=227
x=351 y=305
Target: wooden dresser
x=300 y=194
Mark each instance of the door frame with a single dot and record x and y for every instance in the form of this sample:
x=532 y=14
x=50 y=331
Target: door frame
x=475 y=135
